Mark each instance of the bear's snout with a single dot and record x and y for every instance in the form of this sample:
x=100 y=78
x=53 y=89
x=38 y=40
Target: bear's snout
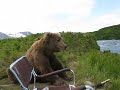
x=66 y=46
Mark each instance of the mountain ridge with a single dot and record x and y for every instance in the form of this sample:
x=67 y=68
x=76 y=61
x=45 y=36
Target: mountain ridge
x=106 y=33
x=16 y=35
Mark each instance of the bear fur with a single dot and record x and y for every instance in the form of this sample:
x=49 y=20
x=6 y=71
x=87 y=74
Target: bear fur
x=41 y=55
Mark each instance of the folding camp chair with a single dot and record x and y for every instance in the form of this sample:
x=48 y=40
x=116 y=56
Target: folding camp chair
x=23 y=70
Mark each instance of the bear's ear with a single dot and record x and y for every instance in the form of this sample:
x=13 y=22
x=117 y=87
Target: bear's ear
x=48 y=34
x=38 y=38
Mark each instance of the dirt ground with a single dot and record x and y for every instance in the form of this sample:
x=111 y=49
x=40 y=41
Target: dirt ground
x=6 y=85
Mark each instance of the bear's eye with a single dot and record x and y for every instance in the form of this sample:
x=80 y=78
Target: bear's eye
x=58 y=40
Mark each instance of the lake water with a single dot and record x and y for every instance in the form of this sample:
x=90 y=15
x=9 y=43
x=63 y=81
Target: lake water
x=112 y=45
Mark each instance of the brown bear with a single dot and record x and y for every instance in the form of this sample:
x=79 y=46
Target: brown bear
x=42 y=56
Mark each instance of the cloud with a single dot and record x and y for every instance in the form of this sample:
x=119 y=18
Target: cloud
x=41 y=15
x=90 y=24
x=105 y=21
x=52 y=15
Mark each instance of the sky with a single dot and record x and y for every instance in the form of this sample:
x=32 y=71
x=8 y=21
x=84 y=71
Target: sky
x=39 y=16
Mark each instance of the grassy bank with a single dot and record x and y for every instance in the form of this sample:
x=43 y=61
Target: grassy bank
x=96 y=66
x=82 y=55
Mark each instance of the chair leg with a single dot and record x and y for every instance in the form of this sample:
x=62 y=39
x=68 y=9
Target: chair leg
x=34 y=75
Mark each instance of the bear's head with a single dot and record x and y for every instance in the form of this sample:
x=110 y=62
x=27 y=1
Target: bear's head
x=54 y=42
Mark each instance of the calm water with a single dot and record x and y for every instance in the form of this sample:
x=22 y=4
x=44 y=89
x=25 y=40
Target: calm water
x=112 y=45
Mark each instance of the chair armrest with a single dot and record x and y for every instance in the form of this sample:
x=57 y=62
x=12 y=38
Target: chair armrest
x=53 y=73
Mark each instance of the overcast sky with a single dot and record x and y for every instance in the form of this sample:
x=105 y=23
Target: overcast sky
x=57 y=15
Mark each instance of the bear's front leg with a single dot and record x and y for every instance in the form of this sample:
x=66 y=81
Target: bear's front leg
x=44 y=67
x=56 y=64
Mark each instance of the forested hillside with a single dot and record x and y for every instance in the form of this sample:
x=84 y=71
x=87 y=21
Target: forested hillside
x=82 y=55
x=108 y=33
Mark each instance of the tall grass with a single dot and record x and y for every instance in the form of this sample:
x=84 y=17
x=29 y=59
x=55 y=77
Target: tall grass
x=82 y=56
x=97 y=66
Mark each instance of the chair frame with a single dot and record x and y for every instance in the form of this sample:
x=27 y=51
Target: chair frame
x=16 y=73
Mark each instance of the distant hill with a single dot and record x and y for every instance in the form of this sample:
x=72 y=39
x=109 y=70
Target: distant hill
x=108 y=33
x=17 y=35
x=3 y=36
x=26 y=33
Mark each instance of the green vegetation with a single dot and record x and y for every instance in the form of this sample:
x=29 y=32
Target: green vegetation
x=82 y=55
x=97 y=66
x=108 y=33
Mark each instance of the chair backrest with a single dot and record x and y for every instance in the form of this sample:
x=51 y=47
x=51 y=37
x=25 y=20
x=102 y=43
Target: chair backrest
x=23 y=70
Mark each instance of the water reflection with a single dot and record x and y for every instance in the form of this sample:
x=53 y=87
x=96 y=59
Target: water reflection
x=112 y=45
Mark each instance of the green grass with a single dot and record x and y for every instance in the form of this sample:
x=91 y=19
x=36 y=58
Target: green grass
x=82 y=55
x=96 y=66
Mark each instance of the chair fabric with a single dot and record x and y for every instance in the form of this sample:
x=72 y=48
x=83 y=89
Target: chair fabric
x=23 y=71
